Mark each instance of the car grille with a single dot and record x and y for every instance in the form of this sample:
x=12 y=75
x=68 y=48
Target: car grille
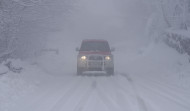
x=95 y=62
x=95 y=57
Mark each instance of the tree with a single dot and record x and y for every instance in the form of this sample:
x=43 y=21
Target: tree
x=175 y=13
x=9 y=20
x=17 y=15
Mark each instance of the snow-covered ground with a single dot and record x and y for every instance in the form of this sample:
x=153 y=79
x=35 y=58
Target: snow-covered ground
x=155 y=78
x=14 y=86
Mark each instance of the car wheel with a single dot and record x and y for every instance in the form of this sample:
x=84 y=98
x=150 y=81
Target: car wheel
x=110 y=71
x=79 y=71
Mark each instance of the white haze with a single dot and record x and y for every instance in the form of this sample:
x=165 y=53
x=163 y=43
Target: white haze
x=108 y=19
x=122 y=23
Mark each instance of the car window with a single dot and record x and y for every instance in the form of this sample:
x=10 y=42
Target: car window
x=95 y=46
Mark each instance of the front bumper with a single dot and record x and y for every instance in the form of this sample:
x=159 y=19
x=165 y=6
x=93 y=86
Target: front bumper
x=95 y=65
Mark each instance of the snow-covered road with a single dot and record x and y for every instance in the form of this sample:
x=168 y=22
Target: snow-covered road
x=88 y=93
x=122 y=92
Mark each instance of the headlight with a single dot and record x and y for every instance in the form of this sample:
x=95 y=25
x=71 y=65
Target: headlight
x=107 y=58
x=83 y=58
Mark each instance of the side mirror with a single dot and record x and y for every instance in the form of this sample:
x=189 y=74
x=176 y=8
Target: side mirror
x=77 y=49
x=112 y=49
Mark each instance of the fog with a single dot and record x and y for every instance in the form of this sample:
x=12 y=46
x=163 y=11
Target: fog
x=105 y=19
x=122 y=23
x=108 y=19
x=119 y=22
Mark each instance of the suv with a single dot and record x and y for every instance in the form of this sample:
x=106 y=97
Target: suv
x=95 y=57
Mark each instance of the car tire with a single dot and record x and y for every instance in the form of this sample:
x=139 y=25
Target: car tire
x=79 y=71
x=110 y=71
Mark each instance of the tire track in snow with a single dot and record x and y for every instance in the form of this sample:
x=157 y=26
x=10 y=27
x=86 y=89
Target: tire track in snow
x=166 y=85
x=66 y=96
x=169 y=90
x=40 y=99
x=103 y=91
x=141 y=104
x=125 y=94
x=167 y=94
x=111 y=105
x=85 y=98
x=116 y=94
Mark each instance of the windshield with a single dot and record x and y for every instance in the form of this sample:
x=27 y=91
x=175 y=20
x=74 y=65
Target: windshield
x=95 y=46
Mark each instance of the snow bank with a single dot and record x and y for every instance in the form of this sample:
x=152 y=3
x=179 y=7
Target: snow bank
x=159 y=62
x=14 y=86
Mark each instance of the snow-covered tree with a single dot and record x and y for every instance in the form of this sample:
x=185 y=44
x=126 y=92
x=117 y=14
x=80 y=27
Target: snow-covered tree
x=10 y=18
x=172 y=13
x=176 y=15
x=175 y=12
x=20 y=18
